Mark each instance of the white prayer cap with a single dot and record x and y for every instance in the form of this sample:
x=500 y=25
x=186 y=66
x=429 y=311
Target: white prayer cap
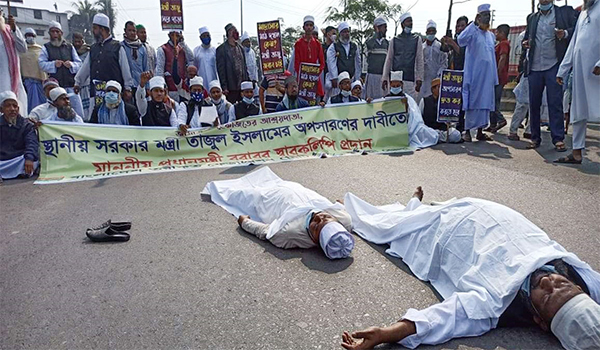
x=214 y=84
x=356 y=83
x=343 y=76
x=309 y=19
x=101 y=20
x=56 y=93
x=336 y=241
x=247 y=85
x=315 y=29
x=54 y=24
x=343 y=26
x=157 y=82
x=245 y=37
x=29 y=31
x=203 y=30
x=379 y=21
x=50 y=82
x=7 y=95
x=115 y=84
x=405 y=16
x=396 y=76
x=431 y=24
x=576 y=323
x=197 y=81
x=483 y=8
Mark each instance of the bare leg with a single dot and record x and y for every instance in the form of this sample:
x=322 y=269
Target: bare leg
x=419 y=193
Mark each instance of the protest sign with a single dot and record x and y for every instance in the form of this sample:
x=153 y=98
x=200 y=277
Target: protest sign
x=450 y=102
x=269 y=43
x=76 y=152
x=171 y=14
x=309 y=82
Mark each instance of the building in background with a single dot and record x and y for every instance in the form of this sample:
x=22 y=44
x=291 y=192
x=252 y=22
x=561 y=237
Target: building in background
x=38 y=19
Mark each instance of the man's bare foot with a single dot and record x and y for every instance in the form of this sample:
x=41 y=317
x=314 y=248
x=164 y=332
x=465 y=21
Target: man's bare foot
x=419 y=193
x=242 y=218
x=341 y=201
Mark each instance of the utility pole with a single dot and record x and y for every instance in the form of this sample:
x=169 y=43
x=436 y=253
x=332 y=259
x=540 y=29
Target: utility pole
x=241 y=16
x=493 y=15
x=532 y=5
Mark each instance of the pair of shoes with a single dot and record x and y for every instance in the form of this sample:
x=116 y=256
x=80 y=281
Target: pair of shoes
x=490 y=128
x=500 y=125
x=513 y=137
x=109 y=232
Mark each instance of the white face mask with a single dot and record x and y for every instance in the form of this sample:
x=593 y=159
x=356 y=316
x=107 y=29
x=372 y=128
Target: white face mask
x=346 y=93
x=333 y=37
x=407 y=30
x=30 y=40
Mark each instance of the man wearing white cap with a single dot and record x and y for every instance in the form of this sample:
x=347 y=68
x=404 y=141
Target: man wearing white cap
x=307 y=49
x=159 y=111
x=113 y=110
x=59 y=58
x=205 y=57
x=248 y=106
x=285 y=213
x=64 y=112
x=189 y=112
x=377 y=48
x=218 y=100
x=356 y=89
x=46 y=109
x=250 y=61
x=19 y=146
x=492 y=266
x=12 y=43
x=480 y=74
x=435 y=61
x=345 y=88
x=343 y=56
x=172 y=60
x=106 y=61
x=405 y=54
x=32 y=75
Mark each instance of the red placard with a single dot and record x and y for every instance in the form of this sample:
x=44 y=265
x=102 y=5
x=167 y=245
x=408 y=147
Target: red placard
x=269 y=41
x=308 y=82
x=171 y=14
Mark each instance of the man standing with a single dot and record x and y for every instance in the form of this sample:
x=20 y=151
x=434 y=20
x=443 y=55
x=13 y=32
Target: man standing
x=83 y=50
x=582 y=58
x=205 y=57
x=12 y=43
x=231 y=65
x=250 y=61
x=107 y=61
x=405 y=54
x=456 y=59
x=308 y=50
x=59 y=58
x=481 y=74
x=172 y=59
x=136 y=53
x=330 y=37
x=497 y=120
x=150 y=51
x=547 y=37
x=32 y=75
x=435 y=61
x=377 y=48
x=343 y=56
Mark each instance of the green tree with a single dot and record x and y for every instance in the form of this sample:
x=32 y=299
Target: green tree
x=81 y=19
x=108 y=8
x=289 y=36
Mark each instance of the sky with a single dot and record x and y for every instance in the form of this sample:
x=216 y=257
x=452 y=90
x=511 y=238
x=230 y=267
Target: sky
x=217 y=13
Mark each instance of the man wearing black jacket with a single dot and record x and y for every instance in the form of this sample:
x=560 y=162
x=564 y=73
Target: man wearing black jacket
x=231 y=65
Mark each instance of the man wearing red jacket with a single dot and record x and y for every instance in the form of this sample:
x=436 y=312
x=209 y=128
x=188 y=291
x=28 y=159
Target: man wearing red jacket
x=307 y=49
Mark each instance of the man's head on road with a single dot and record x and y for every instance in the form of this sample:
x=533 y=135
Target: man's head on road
x=357 y=89
x=141 y=33
x=232 y=32
x=309 y=25
x=333 y=238
x=344 y=32
x=502 y=32
x=191 y=71
x=247 y=88
x=9 y=106
x=55 y=31
x=78 y=40
x=396 y=83
x=101 y=27
x=60 y=97
x=484 y=16
x=215 y=91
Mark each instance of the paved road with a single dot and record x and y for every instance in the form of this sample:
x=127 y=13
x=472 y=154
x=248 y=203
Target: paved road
x=189 y=278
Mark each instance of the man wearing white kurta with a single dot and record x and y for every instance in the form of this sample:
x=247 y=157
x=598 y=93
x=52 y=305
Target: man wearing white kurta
x=583 y=57
x=285 y=213
x=12 y=43
x=492 y=266
x=435 y=61
x=205 y=57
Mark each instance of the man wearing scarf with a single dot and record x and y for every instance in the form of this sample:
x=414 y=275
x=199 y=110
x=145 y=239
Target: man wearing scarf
x=172 y=60
x=217 y=99
x=59 y=58
x=189 y=112
x=12 y=43
x=158 y=111
x=64 y=111
x=113 y=110
x=248 y=106
x=290 y=99
x=136 y=52
x=32 y=75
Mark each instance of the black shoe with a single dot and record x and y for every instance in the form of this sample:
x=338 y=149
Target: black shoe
x=115 y=226
x=527 y=135
x=106 y=234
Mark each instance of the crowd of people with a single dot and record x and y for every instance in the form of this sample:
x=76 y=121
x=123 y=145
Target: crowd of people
x=129 y=82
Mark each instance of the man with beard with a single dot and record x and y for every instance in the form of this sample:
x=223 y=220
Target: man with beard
x=150 y=51
x=59 y=58
x=435 y=60
x=189 y=112
x=136 y=52
x=231 y=65
x=377 y=47
x=343 y=56
x=218 y=100
x=83 y=50
x=155 y=112
x=12 y=43
x=46 y=109
x=113 y=110
x=107 y=61
x=291 y=100
x=64 y=111
x=250 y=61
x=32 y=75
x=172 y=60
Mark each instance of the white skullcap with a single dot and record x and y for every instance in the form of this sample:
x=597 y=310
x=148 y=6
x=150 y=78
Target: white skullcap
x=7 y=95
x=336 y=241
x=431 y=24
x=214 y=84
x=483 y=8
x=379 y=21
x=343 y=76
x=50 y=82
x=247 y=85
x=203 y=30
x=101 y=20
x=115 y=84
x=576 y=323
x=157 y=82
x=245 y=37
x=405 y=16
x=197 y=81
x=56 y=93
x=342 y=26
x=54 y=24
x=29 y=31
x=315 y=29
x=309 y=19
x=356 y=83
x=396 y=76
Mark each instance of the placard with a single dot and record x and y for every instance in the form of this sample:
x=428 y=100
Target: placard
x=450 y=102
x=269 y=42
x=171 y=14
x=308 y=82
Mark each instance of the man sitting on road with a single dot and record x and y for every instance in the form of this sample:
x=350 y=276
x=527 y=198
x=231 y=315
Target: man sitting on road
x=64 y=111
x=492 y=266
x=345 y=94
x=290 y=99
x=429 y=111
x=113 y=110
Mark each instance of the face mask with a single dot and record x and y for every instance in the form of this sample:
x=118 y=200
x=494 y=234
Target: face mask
x=407 y=30
x=111 y=98
x=396 y=90
x=206 y=41
x=431 y=37
x=248 y=100
x=333 y=37
x=30 y=40
x=197 y=96
x=247 y=49
x=346 y=93
x=546 y=7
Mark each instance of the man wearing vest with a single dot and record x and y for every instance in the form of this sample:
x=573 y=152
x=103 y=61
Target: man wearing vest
x=248 y=106
x=59 y=58
x=106 y=61
x=377 y=48
x=405 y=54
x=172 y=60
x=31 y=73
x=343 y=56
x=345 y=94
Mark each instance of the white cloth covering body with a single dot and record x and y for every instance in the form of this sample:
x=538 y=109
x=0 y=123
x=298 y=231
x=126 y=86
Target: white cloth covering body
x=5 y=79
x=475 y=253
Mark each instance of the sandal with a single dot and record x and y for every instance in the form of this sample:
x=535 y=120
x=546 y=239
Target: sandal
x=467 y=137
x=484 y=137
x=560 y=147
x=533 y=145
x=514 y=137
x=568 y=160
